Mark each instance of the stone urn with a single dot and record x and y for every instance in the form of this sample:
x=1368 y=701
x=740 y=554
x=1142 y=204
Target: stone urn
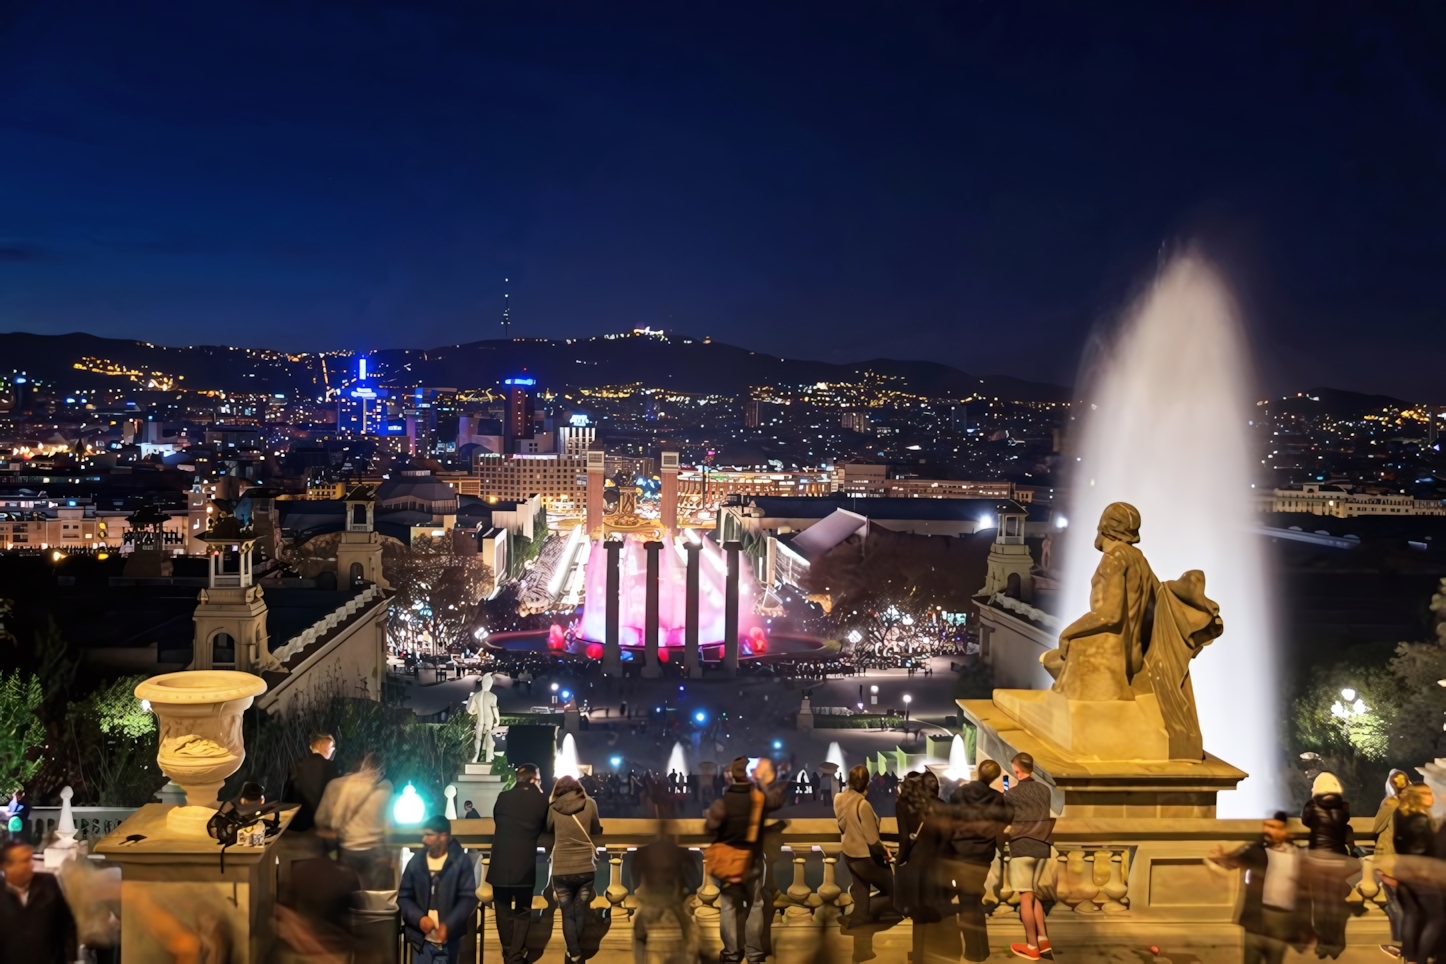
x=200 y=716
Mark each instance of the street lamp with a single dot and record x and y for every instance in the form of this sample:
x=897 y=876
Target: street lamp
x=873 y=696
x=907 y=700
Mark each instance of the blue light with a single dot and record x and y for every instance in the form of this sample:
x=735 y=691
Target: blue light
x=578 y=420
x=521 y=382
x=20 y=381
x=409 y=808
x=567 y=694
x=700 y=716
x=616 y=761
x=361 y=369
x=778 y=744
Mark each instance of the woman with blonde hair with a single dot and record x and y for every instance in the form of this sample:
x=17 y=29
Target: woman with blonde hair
x=1421 y=904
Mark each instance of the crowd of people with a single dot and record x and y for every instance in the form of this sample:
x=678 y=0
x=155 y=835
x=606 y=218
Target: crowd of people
x=944 y=863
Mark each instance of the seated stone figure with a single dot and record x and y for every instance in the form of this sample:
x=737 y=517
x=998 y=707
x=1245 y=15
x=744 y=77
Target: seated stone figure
x=1139 y=636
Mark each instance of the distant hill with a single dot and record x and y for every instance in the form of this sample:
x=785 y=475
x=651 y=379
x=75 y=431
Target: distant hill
x=81 y=362
x=1336 y=403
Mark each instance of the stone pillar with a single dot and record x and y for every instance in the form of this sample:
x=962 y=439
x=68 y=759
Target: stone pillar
x=668 y=491
x=612 y=643
x=691 y=662
x=730 y=610
x=596 y=480
x=652 y=669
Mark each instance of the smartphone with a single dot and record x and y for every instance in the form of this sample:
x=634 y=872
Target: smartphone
x=1006 y=781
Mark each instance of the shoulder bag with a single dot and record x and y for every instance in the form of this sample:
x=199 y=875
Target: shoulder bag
x=729 y=863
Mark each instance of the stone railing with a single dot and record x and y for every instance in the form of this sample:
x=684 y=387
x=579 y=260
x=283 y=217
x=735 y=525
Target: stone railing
x=91 y=823
x=1024 y=609
x=319 y=630
x=1113 y=881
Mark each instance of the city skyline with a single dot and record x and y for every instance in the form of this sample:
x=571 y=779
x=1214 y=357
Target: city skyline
x=979 y=188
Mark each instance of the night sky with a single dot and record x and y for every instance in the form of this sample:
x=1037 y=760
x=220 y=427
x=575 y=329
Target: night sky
x=977 y=183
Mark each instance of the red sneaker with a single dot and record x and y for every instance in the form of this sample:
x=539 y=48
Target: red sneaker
x=1027 y=951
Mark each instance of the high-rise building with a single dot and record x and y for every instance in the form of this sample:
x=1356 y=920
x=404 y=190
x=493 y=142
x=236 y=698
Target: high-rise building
x=558 y=479
x=520 y=412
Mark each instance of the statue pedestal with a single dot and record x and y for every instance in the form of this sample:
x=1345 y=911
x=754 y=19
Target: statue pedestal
x=169 y=878
x=479 y=784
x=1091 y=729
x=1132 y=784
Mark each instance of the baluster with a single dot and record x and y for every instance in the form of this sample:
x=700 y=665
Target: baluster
x=484 y=896
x=616 y=892
x=1099 y=867
x=1008 y=899
x=1117 y=889
x=1081 y=884
x=1063 y=892
x=828 y=891
x=706 y=914
x=798 y=910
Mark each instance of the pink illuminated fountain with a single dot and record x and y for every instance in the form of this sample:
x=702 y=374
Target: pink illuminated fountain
x=672 y=598
x=585 y=635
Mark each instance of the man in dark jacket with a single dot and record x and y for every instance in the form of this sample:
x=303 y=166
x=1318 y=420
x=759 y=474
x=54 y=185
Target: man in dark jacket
x=36 y=925
x=1269 y=910
x=979 y=816
x=437 y=896
x=308 y=780
x=520 y=817
x=743 y=906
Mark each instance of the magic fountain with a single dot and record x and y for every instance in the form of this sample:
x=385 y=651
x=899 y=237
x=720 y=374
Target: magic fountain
x=694 y=600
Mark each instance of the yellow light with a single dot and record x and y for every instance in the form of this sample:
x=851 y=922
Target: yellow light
x=57 y=555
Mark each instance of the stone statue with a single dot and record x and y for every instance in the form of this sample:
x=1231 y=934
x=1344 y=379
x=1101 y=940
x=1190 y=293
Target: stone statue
x=1139 y=636
x=483 y=705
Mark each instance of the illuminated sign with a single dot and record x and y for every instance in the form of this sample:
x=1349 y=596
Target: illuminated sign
x=363 y=392
x=578 y=421
x=521 y=382
x=361 y=369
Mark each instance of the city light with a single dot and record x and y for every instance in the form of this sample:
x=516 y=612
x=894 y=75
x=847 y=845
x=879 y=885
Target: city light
x=616 y=761
x=778 y=744
x=700 y=716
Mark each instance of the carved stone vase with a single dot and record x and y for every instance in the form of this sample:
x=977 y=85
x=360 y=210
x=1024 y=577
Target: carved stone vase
x=200 y=718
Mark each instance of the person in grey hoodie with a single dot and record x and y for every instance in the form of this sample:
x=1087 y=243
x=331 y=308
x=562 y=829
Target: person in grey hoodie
x=864 y=853
x=573 y=822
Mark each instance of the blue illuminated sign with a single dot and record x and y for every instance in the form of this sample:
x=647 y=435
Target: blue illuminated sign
x=524 y=382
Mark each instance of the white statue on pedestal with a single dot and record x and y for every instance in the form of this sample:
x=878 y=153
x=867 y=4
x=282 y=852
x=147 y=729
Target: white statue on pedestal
x=482 y=704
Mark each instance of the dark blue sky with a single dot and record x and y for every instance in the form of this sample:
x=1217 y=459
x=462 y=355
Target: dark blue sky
x=977 y=183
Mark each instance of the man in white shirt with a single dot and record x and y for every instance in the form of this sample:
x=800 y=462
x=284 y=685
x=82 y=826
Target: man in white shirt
x=1269 y=914
x=353 y=811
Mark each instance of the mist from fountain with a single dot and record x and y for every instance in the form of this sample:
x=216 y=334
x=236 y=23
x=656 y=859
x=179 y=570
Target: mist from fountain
x=1168 y=431
x=959 y=768
x=677 y=761
x=836 y=757
x=565 y=765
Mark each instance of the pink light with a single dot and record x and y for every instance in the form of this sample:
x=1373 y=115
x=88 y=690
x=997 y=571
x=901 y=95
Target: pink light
x=672 y=597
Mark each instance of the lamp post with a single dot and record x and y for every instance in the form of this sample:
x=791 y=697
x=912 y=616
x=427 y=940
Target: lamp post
x=873 y=696
x=907 y=700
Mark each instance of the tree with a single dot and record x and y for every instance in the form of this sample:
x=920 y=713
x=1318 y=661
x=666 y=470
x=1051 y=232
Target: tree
x=891 y=586
x=437 y=585
x=21 y=732
x=114 y=738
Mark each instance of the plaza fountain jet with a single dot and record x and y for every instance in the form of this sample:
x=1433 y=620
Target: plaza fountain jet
x=1166 y=428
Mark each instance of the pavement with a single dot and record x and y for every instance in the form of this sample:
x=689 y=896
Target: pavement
x=759 y=715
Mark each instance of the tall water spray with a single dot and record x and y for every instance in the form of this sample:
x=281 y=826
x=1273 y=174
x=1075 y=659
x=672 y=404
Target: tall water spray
x=1167 y=429
x=677 y=761
x=565 y=764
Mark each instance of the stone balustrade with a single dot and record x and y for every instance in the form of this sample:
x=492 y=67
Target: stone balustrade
x=1113 y=881
x=91 y=823
x=319 y=630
